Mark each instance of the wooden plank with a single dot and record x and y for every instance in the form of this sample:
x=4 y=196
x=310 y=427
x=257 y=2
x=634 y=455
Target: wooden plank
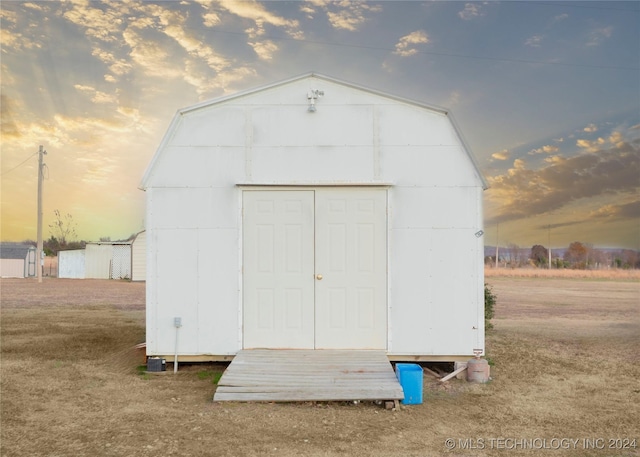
x=344 y=395
x=432 y=373
x=308 y=375
x=454 y=373
x=429 y=358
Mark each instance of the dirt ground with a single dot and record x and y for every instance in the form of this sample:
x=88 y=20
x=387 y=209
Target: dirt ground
x=565 y=359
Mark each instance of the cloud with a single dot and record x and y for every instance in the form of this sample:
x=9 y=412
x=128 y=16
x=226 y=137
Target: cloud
x=256 y=12
x=103 y=24
x=34 y=6
x=8 y=17
x=264 y=49
x=196 y=47
x=501 y=155
x=405 y=47
x=200 y=77
x=352 y=14
x=518 y=164
x=152 y=57
x=598 y=36
x=308 y=11
x=454 y=98
x=591 y=128
x=534 y=41
x=117 y=66
x=553 y=159
x=142 y=36
x=211 y=19
x=592 y=146
x=8 y=127
x=523 y=192
x=630 y=210
x=97 y=96
x=560 y=17
x=547 y=149
x=342 y=14
x=616 y=138
x=471 y=11
x=560 y=225
x=16 y=41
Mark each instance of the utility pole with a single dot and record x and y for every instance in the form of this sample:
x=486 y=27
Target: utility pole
x=549 y=236
x=41 y=153
x=497 y=241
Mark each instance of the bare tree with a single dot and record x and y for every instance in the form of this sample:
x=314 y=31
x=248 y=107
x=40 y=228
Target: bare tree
x=63 y=228
x=515 y=255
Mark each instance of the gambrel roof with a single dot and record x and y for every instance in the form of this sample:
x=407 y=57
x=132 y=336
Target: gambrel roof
x=254 y=91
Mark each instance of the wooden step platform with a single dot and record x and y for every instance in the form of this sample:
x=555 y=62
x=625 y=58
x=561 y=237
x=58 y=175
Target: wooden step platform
x=281 y=375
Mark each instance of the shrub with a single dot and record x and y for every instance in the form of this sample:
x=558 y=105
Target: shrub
x=489 y=301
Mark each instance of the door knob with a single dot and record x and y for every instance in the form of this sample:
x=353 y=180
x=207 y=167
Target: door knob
x=319 y=277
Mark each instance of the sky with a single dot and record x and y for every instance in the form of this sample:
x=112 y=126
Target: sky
x=546 y=94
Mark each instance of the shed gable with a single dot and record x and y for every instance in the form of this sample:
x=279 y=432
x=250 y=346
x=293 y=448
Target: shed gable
x=267 y=135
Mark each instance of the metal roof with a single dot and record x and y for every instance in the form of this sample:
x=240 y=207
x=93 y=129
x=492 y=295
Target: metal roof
x=15 y=250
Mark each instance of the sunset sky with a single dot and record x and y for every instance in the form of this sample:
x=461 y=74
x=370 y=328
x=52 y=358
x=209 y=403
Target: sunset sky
x=547 y=95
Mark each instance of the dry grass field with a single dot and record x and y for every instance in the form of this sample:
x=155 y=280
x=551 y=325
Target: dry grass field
x=566 y=377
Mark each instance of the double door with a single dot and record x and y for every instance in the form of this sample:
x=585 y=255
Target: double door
x=315 y=268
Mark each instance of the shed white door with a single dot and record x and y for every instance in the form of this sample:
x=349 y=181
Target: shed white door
x=278 y=269
x=315 y=269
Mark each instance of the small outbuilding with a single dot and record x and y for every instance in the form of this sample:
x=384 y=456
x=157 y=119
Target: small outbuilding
x=314 y=213
x=100 y=260
x=139 y=257
x=17 y=260
x=71 y=264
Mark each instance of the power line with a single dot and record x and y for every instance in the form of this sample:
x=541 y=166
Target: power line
x=443 y=54
x=573 y=5
x=19 y=165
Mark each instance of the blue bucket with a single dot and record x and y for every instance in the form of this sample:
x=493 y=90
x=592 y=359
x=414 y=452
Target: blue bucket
x=410 y=377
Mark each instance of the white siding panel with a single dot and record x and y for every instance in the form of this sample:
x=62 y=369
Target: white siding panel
x=71 y=264
x=220 y=125
x=446 y=166
x=138 y=257
x=453 y=315
x=328 y=126
x=438 y=318
x=408 y=297
x=12 y=268
x=410 y=125
x=176 y=282
x=218 y=292
x=98 y=261
x=223 y=210
x=303 y=165
x=195 y=207
x=151 y=286
x=436 y=207
x=199 y=166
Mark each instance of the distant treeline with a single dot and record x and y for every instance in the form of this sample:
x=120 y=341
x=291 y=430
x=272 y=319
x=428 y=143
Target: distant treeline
x=576 y=256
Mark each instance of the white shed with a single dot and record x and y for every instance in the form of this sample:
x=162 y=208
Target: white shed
x=139 y=257
x=314 y=213
x=17 y=260
x=102 y=260
x=71 y=264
